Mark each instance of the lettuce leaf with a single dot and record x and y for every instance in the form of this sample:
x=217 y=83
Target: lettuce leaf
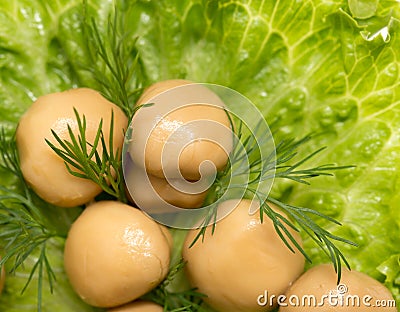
x=330 y=68
x=32 y=63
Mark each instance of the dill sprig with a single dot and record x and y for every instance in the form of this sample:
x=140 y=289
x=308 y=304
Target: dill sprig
x=302 y=217
x=9 y=160
x=24 y=228
x=24 y=233
x=287 y=150
x=188 y=300
x=114 y=63
x=277 y=164
x=114 y=60
x=96 y=161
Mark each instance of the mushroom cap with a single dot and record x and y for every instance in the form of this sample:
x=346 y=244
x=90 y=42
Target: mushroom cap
x=114 y=254
x=151 y=193
x=174 y=196
x=320 y=280
x=186 y=125
x=241 y=259
x=159 y=87
x=42 y=168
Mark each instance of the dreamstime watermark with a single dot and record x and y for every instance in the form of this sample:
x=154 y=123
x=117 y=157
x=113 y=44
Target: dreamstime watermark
x=339 y=297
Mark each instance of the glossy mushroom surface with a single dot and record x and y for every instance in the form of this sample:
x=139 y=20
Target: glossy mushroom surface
x=243 y=257
x=114 y=254
x=155 y=191
x=42 y=168
x=185 y=126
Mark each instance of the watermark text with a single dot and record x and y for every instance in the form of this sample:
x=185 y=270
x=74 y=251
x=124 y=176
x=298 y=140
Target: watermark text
x=338 y=297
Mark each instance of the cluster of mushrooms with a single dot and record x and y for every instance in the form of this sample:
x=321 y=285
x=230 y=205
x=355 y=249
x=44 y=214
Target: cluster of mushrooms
x=115 y=253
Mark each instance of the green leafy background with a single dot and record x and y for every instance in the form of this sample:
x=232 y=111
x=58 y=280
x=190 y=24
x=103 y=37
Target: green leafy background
x=330 y=68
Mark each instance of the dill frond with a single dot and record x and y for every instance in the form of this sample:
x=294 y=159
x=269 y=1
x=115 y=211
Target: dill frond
x=96 y=161
x=114 y=60
x=24 y=228
x=276 y=165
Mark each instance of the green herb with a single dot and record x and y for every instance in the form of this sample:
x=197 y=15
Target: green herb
x=113 y=59
x=96 y=161
x=277 y=165
x=24 y=228
x=188 y=300
x=9 y=160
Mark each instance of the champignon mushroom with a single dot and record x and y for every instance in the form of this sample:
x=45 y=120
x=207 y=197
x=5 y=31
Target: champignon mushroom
x=42 y=168
x=185 y=126
x=159 y=87
x=114 y=254
x=154 y=192
x=174 y=196
x=317 y=291
x=243 y=257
